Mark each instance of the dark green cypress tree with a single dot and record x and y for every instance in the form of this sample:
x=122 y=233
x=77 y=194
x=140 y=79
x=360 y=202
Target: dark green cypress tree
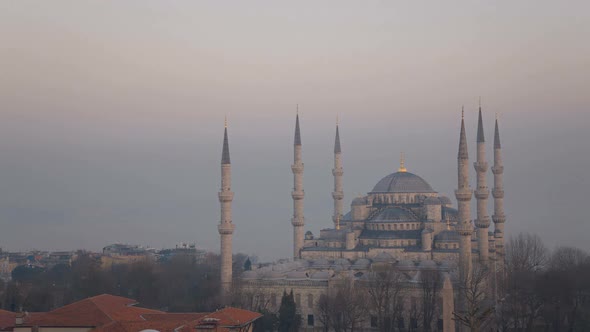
x=289 y=320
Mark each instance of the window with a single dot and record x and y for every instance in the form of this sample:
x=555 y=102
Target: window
x=388 y=227
x=395 y=226
x=310 y=320
x=401 y=226
x=298 y=300
x=413 y=323
x=310 y=300
x=446 y=246
x=374 y=322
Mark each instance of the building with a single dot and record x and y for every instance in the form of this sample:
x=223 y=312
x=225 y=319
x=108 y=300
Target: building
x=108 y=313
x=402 y=223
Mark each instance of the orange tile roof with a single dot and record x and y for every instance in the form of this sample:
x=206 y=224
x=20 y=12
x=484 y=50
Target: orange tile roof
x=94 y=311
x=108 y=313
x=7 y=320
x=230 y=316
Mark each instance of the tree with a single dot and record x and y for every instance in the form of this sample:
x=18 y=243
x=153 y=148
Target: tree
x=384 y=287
x=431 y=284
x=289 y=320
x=478 y=306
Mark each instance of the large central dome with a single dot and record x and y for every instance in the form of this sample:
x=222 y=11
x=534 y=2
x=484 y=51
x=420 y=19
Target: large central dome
x=402 y=182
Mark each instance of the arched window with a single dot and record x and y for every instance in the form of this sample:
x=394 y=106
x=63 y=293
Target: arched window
x=310 y=301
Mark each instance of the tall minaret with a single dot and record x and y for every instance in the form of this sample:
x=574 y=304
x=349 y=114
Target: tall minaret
x=463 y=195
x=481 y=193
x=298 y=220
x=226 y=227
x=498 y=192
x=337 y=194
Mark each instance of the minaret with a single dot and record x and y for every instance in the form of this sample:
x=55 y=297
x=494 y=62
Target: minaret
x=226 y=227
x=463 y=195
x=337 y=194
x=481 y=193
x=298 y=220
x=498 y=192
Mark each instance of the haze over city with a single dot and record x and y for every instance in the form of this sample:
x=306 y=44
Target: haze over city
x=112 y=113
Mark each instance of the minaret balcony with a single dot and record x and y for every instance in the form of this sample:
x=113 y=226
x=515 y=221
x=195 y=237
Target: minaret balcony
x=226 y=196
x=298 y=222
x=499 y=219
x=498 y=193
x=298 y=195
x=483 y=222
x=482 y=193
x=338 y=195
x=464 y=194
x=297 y=168
x=464 y=229
x=481 y=167
x=226 y=228
x=497 y=169
x=337 y=171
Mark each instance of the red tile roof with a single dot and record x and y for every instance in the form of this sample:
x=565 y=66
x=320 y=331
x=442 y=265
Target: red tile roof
x=7 y=320
x=108 y=313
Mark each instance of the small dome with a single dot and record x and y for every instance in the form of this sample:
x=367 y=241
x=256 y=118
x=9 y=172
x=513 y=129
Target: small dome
x=361 y=263
x=321 y=262
x=359 y=201
x=402 y=182
x=322 y=275
x=395 y=214
x=383 y=257
x=445 y=200
x=341 y=262
x=432 y=201
x=428 y=264
x=275 y=275
x=406 y=264
x=308 y=235
x=447 y=236
x=249 y=275
x=297 y=275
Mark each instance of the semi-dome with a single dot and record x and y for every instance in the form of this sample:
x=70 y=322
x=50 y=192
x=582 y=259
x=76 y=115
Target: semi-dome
x=395 y=214
x=402 y=182
x=445 y=200
x=432 y=201
x=447 y=236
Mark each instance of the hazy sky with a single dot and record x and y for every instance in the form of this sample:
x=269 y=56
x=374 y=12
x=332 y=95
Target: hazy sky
x=111 y=113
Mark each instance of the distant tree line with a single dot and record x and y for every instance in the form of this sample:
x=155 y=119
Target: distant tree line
x=180 y=284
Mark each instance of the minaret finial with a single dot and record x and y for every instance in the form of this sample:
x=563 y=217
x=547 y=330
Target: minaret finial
x=402 y=162
x=480 y=102
x=225 y=122
x=462 y=112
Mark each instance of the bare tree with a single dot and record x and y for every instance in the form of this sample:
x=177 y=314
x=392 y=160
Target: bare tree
x=344 y=307
x=430 y=284
x=384 y=287
x=478 y=304
x=526 y=257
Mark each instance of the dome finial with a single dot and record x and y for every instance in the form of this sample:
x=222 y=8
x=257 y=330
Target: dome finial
x=402 y=161
x=448 y=225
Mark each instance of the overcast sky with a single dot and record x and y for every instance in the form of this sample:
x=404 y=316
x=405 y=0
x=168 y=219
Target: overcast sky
x=111 y=113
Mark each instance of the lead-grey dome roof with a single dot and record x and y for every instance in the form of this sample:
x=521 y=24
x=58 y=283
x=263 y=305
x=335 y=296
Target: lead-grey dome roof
x=394 y=214
x=402 y=182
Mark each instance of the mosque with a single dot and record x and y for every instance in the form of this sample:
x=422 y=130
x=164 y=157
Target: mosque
x=402 y=222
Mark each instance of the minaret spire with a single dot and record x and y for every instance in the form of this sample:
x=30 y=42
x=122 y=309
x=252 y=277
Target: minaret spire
x=481 y=193
x=463 y=195
x=226 y=227
x=337 y=172
x=498 y=193
x=298 y=221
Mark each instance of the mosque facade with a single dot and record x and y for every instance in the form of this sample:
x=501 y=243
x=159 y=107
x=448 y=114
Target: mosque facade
x=402 y=223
